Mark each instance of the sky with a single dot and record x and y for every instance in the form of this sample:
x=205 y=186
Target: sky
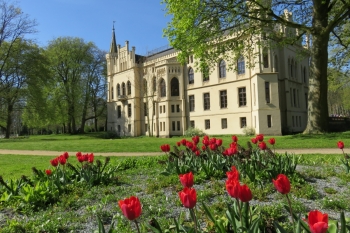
x=141 y=22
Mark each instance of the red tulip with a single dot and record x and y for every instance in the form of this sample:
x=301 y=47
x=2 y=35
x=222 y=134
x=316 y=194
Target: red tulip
x=218 y=142
x=254 y=140
x=282 y=184
x=260 y=137
x=188 y=197
x=165 y=147
x=86 y=157
x=78 y=154
x=206 y=137
x=91 y=158
x=178 y=143
x=198 y=153
x=234 y=138
x=232 y=187
x=81 y=158
x=340 y=145
x=195 y=139
x=183 y=142
x=186 y=179
x=212 y=146
x=189 y=144
x=318 y=222
x=245 y=194
x=272 y=141
x=48 y=172
x=204 y=147
x=205 y=142
x=131 y=207
x=65 y=154
x=54 y=162
x=62 y=160
x=233 y=174
x=262 y=146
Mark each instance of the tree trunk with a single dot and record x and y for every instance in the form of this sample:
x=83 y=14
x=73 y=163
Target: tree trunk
x=8 y=121
x=317 y=121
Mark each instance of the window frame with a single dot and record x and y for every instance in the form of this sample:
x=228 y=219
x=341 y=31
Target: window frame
x=191 y=103
x=222 y=69
x=190 y=76
x=223 y=99
x=242 y=97
x=206 y=101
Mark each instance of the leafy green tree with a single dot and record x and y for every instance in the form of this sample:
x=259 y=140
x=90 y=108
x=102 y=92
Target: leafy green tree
x=77 y=69
x=21 y=75
x=199 y=26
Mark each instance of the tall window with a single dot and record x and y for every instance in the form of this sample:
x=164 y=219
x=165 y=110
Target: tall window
x=119 y=110
x=162 y=88
x=154 y=84
x=241 y=65
x=173 y=125
x=222 y=69
x=292 y=68
x=190 y=76
x=178 y=125
x=145 y=108
x=123 y=88
x=129 y=110
x=206 y=98
x=191 y=102
x=304 y=75
x=242 y=96
x=129 y=128
x=192 y=125
x=144 y=86
x=112 y=90
x=265 y=58
x=129 y=87
x=276 y=63
x=118 y=89
x=269 y=121
x=174 y=87
x=223 y=123
x=207 y=124
x=223 y=99
x=206 y=74
x=294 y=97
x=243 y=122
x=267 y=92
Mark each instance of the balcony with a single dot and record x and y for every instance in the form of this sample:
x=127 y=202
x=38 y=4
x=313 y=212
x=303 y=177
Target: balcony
x=122 y=97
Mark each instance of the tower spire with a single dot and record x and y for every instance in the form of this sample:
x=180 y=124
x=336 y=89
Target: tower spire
x=113 y=48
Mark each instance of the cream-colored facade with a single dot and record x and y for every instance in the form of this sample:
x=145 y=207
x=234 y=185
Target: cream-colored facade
x=156 y=95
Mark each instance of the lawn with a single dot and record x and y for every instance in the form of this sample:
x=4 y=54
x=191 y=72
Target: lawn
x=320 y=182
x=96 y=143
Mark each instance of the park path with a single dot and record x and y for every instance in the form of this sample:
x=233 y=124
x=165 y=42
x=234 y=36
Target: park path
x=56 y=153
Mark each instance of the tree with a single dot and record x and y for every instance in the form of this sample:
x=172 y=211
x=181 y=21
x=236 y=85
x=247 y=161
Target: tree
x=199 y=26
x=14 y=25
x=23 y=70
x=77 y=69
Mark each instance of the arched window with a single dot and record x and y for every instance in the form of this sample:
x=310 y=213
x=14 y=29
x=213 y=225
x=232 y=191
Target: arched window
x=222 y=69
x=145 y=86
x=123 y=88
x=129 y=87
x=241 y=65
x=118 y=89
x=162 y=88
x=174 y=87
x=154 y=84
x=112 y=93
x=190 y=76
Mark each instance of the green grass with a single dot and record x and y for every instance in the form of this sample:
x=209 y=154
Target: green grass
x=141 y=176
x=95 y=143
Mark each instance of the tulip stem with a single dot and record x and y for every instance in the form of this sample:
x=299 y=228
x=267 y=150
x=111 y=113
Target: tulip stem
x=193 y=215
x=137 y=227
x=290 y=209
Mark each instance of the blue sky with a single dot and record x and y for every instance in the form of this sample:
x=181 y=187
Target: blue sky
x=139 y=21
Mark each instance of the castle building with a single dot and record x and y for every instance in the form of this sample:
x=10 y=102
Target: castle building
x=155 y=95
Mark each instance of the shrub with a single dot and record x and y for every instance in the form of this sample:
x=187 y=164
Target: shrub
x=248 y=131
x=190 y=132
